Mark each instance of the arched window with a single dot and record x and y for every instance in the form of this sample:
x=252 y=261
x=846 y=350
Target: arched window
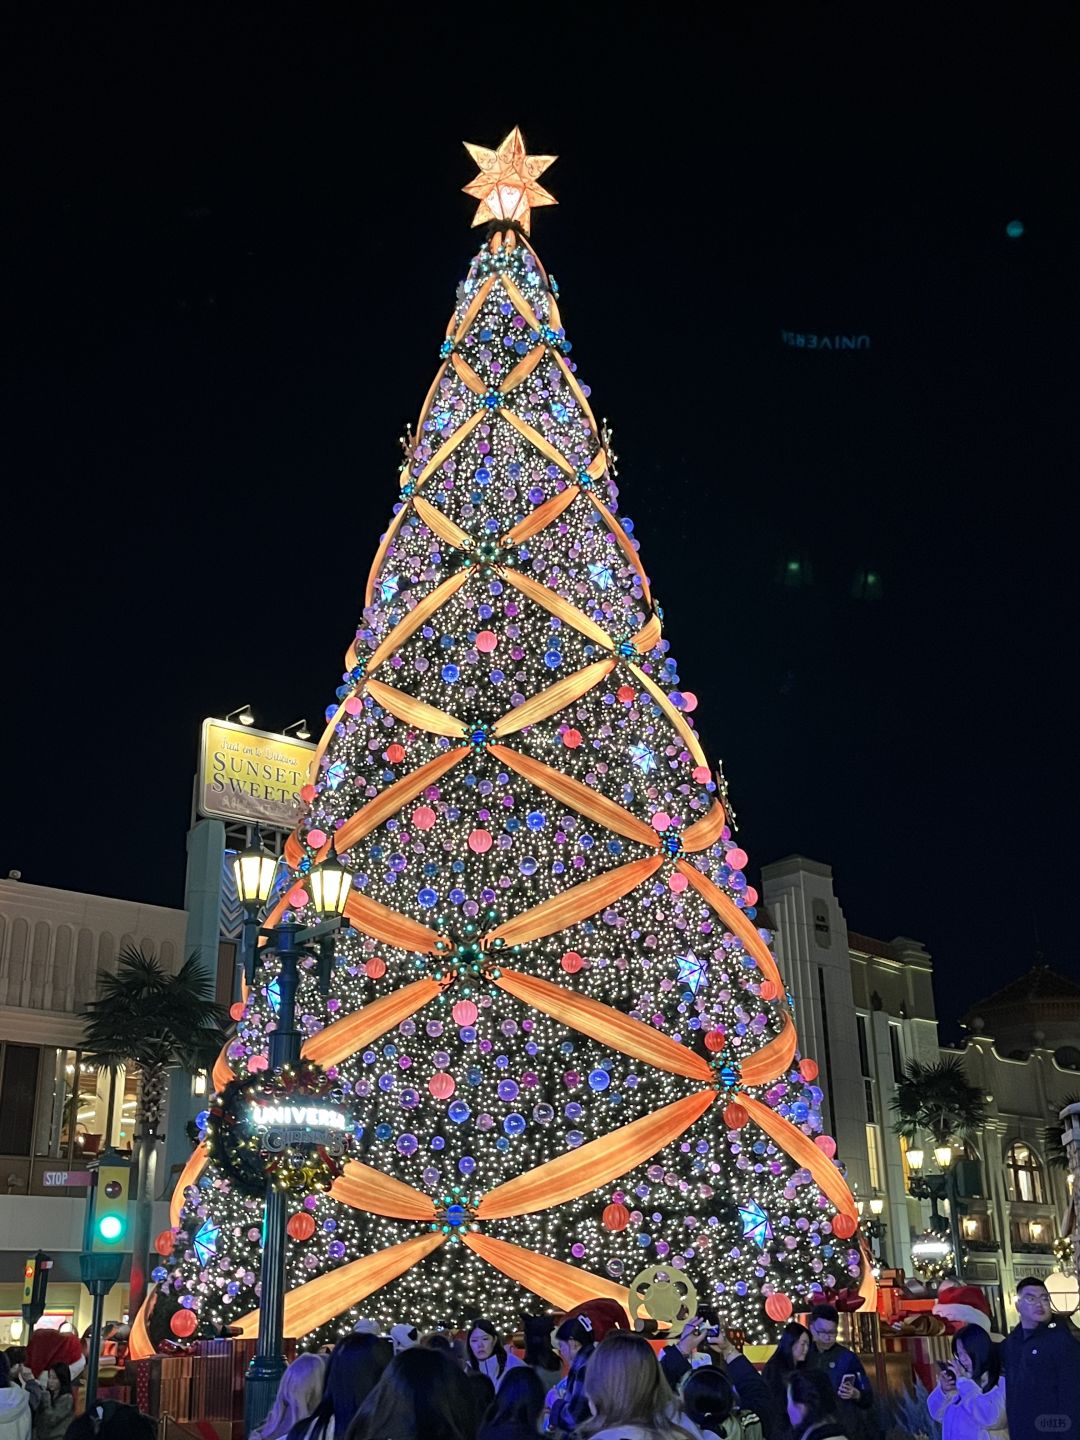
x=1023 y=1173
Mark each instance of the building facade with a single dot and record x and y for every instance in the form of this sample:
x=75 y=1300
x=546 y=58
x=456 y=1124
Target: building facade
x=864 y=1009
x=55 y=1111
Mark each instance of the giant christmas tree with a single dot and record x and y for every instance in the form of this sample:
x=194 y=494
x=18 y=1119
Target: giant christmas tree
x=569 y=1054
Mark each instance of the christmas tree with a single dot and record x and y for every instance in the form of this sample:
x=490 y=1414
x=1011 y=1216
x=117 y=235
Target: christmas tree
x=568 y=1052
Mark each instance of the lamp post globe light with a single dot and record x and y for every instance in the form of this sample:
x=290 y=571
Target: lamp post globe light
x=328 y=885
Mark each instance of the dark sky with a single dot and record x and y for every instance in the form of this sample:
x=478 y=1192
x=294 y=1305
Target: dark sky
x=231 y=242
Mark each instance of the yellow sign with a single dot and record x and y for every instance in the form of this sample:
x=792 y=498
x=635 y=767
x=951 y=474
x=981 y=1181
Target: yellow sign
x=248 y=774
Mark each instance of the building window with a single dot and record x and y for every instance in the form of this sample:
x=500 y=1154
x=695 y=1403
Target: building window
x=58 y=1103
x=18 y=1089
x=873 y=1157
x=865 y=1070
x=1024 y=1174
x=897 y=1053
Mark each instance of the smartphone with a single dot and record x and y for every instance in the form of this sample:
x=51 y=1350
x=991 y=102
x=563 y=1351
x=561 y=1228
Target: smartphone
x=947 y=1370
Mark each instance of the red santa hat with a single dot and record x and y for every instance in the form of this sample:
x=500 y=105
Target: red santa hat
x=962 y=1305
x=47 y=1348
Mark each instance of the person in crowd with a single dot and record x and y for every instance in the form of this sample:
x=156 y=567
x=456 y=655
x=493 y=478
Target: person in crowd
x=812 y=1406
x=969 y=1399
x=628 y=1395
x=438 y=1340
x=517 y=1409
x=15 y=1423
x=57 y=1409
x=704 y=1345
x=1041 y=1358
x=486 y=1352
x=110 y=1420
x=708 y=1399
x=482 y=1392
x=297 y=1399
x=422 y=1396
x=352 y=1372
x=844 y=1370
x=403 y=1337
x=540 y=1355
x=790 y=1355
x=567 y=1405
x=21 y=1374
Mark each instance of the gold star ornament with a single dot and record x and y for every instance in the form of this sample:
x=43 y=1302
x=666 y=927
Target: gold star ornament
x=506 y=186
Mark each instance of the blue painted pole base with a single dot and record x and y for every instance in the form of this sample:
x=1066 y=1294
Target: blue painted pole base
x=260 y=1387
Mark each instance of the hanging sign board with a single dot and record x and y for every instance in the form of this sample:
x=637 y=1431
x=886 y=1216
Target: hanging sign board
x=249 y=774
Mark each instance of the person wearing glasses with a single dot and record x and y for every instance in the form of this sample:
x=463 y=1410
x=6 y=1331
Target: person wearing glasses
x=1042 y=1369
x=854 y=1395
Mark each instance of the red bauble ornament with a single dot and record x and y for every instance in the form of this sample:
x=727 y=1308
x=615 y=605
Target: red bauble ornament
x=236 y=1011
x=395 y=754
x=375 y=968
x=572 y=962
x=615 y=1217
x=316 y=838
x=715 y=1040
x=301 y=1226
x=735 y=1115
x=464 y=1013
x=778 y=1307
x=442 y=1086
x=826 y=1144
x=808 y=1069
x=165 y=1242
x=184 y=1323
x=768 y=990
x=307 y=793
x=298 y=897
x=571 y=739
x=624 y=694
x=844 y=1226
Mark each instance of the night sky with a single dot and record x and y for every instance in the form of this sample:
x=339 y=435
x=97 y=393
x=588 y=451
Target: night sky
x=231 y=245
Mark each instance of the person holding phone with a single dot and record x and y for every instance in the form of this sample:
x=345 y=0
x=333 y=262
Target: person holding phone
x=855 y=1397
x=704 y=1342
x=969 y=1398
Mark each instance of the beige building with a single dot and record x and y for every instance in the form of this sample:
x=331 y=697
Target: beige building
x=54 y=1108
x=864 y=1008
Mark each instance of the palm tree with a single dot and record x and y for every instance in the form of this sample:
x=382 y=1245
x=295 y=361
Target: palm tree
x=940 y=1099
x=1053 y=1148
x=146 y=1017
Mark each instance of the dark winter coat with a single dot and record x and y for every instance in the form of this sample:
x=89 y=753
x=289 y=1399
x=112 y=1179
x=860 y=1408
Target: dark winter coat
x=1042 y=1382
x=856 y=1417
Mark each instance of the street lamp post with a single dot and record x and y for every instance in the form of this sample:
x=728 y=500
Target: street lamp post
x=936 y=1188
x=329 y=887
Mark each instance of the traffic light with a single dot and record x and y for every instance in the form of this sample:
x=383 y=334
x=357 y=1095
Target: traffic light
x=108 y=1229
x=35 y=1281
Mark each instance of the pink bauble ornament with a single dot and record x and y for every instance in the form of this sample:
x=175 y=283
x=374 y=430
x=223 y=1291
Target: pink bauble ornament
x=661 y=820
x=375 y=968
x=826 y=1144
x=572 y=962
x=257 y=1063
x=737 y=859
x=442 y=1086
x=316 y=839
x=690 y=700
x=298 y=897
x=750 y=895
x=677 y=882
x=480 y=842
x=702 y=774
x=423 y=817
x=486 y=641
x=307 y=793
x=353 y=705
x=465 y=1013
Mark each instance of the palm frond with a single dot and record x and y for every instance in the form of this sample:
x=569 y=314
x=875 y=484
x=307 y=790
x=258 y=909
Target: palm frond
x=938 y=1098
x=1053 y=1145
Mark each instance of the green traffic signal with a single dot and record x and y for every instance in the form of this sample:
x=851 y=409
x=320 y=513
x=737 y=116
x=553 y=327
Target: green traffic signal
x=110 y=1227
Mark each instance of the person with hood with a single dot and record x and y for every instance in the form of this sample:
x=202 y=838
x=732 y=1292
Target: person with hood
x=516 y=1410
x=15 y=1423
x=486 y=1352
x=567 y=1405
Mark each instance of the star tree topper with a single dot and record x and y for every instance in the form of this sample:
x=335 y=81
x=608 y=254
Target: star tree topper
x=506 y=186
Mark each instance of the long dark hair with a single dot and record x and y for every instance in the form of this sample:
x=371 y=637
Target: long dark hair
x=422 y=1396
x=782 y=1362
x=489 y=1329
x=813 y=1390
x=355 y=1367
x=63 y=1374
x=519 y=1400
x=983 y=1354
x=708 y=1397
x=538 y=1351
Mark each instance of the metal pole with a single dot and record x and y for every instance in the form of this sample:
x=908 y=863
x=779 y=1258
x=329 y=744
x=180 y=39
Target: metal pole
x=954 y=1222
x=94 y=1349
x=268 y=1364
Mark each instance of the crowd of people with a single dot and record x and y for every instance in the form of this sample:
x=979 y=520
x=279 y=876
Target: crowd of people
x=588 y=1378
x=572 y=1382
